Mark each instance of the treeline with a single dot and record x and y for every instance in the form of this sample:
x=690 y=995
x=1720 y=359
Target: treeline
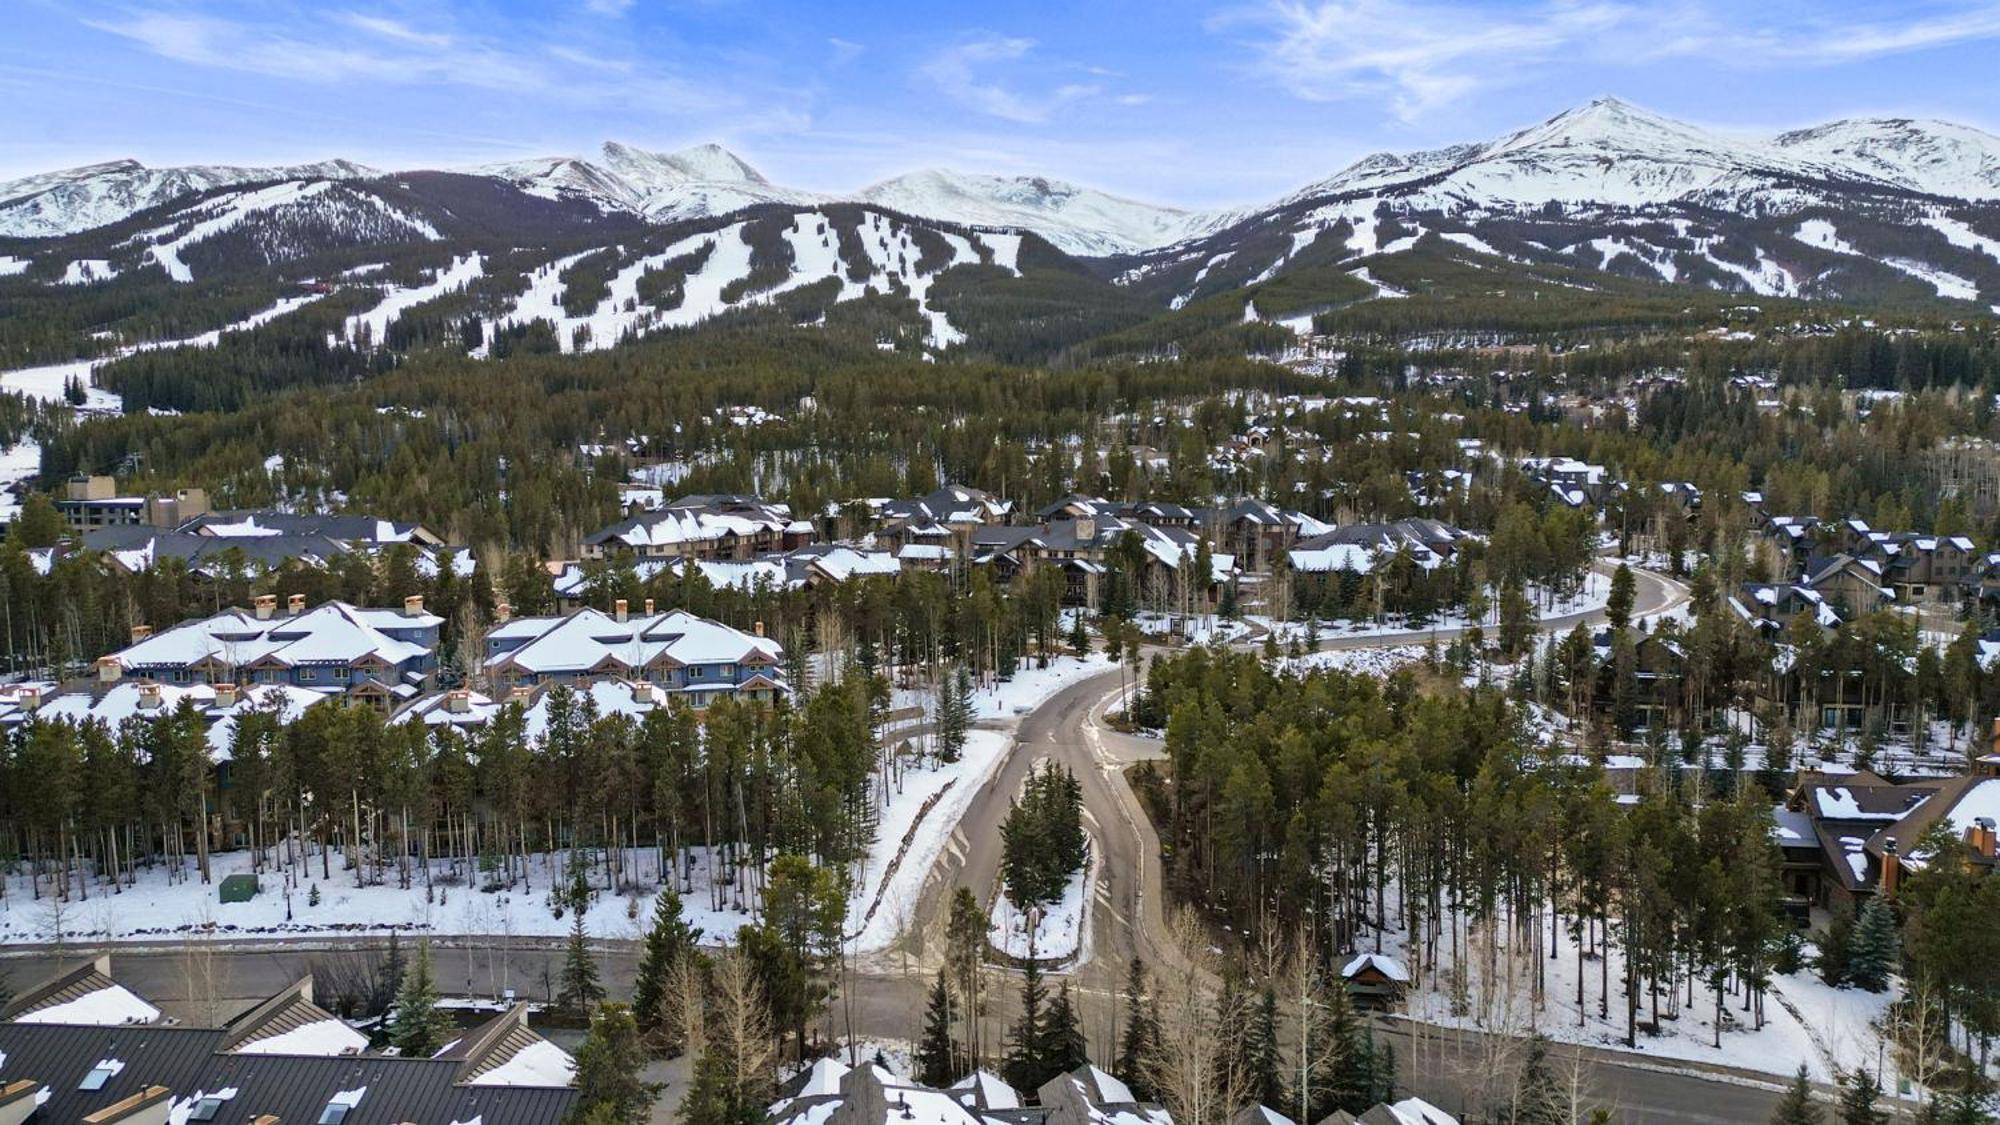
x=1362 y=809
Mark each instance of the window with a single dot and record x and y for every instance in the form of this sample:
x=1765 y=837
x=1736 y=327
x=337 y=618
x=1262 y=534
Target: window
x=205 y=1109
x=308 y=675
x=99 y=1075
x=334 y=1113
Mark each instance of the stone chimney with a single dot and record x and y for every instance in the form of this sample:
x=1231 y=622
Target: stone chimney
x=141 y=632
x=620 y=610
x=503 y=613
x=521 y=693
x=1086 y=529
x=458 y=701
x=758 y=628
x=264 y=605
x=413 y=606
x=149 y=697
x=1984 y=834
x=649 y=607
x=642 y=692
x=225 y=694
x=1892 y=869
x=109 y=670
x=28 y=698
x=295 y=605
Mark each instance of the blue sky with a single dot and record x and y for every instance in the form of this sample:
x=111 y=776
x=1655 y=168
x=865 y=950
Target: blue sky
x=1177 y=101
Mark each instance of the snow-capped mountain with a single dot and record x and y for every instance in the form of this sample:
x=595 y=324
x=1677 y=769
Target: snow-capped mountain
x=662 y=187
x=1077 y=220
x=1888 y=208
x=80 y=199
x=1611 y=153
x=1891 y=209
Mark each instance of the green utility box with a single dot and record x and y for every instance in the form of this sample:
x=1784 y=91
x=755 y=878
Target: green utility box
x=239 y=888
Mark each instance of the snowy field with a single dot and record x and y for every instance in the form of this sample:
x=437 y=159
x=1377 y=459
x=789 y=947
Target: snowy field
x=1592 y=597
x=916 y=821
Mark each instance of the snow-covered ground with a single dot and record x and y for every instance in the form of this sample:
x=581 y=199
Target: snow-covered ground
x=1061 y=930
x=916 y=821
x=1804 y=1020
x=1591 y=597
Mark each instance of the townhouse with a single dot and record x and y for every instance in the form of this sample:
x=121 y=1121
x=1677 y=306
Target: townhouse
x=703 y=527
x=693 y=658
x=376 y=656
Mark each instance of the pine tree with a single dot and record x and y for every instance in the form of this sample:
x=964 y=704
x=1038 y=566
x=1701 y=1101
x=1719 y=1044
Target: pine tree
x=954 y=716
x=1385 y=1069
x=1537 y=1100
x=669 y=940
x=1871 y=949
x=1858 y=1095
x=1079 y=635
x=1141 y=1042
x=1352 y=1085
x=939 y=1062
x=1265 y=1068
x=1021 y=1067
x=607 y=1070
x=1063 y=1047
x=419 y=1028
x=1797 y=1106
x=580 y=987
x=1618 y=609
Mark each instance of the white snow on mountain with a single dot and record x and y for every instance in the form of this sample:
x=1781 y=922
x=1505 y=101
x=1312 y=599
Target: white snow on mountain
x=1611 y=153
x=79 y=199
x=693 y=183
x=1077 y=220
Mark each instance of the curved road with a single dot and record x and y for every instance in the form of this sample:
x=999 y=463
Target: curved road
x=885 y=993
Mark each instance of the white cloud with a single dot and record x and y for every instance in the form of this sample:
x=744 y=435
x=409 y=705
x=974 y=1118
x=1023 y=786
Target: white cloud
x=956 y=72
x=609 y=7
x=349 y=47
x=1419 y=56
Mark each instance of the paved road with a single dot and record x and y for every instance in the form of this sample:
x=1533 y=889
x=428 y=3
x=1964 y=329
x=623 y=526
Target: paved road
x=885 y=994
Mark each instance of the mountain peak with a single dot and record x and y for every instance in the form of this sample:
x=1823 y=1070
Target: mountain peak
x=707 y=163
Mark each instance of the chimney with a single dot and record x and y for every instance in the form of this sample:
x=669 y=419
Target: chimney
x=141 y=632
x=295 y=605
x=149 y=697
x=264 y=605
x=758 y=628
x=1892 y=868
x=649 y=607
x=521 y=693
x=108 y=669
x=619 y=610
x=413 y=606
x=458 y=702
x=642 y=692
x=28 y=698
x=1984 y=827
x=225 y=694
x=1086 y=529
x=503 y=613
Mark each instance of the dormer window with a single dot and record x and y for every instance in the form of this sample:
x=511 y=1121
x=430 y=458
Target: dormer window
x=334 y=1113
x=207 y=1108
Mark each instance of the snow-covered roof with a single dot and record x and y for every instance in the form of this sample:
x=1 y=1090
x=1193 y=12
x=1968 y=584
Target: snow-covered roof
x=109 y=1005
x=1387 y=966
x=130 y=699
x=321 y=1038
x=540 y=1063
x=333 y=633
x=983 y=1089
x=589 y=640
